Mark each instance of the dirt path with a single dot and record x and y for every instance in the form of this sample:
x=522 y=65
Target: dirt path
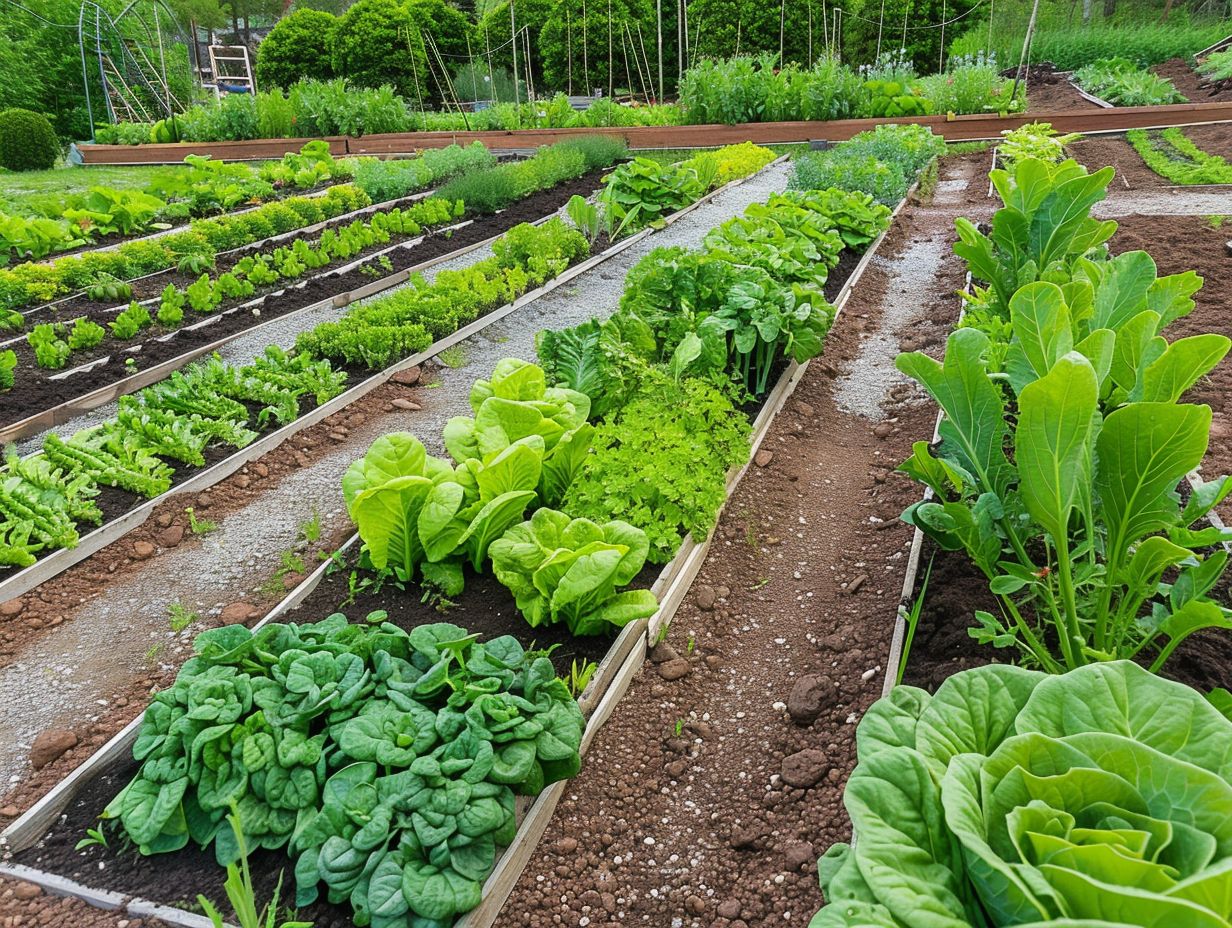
x=702 y=803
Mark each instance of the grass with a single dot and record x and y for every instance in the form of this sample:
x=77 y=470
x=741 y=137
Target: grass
x=966 y=148
x=179 y=617
x=453 y=357
x=66 y=179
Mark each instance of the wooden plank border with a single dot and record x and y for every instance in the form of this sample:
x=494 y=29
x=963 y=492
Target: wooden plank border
x=969 y=127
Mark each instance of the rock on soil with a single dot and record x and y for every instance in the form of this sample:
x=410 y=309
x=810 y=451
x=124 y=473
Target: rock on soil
x=50 y=745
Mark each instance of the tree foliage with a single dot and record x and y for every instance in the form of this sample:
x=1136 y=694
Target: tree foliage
x=373 y=46
x=297 y=47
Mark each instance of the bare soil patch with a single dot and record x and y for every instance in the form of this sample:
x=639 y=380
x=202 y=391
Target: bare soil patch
x=1196 y=87
x=1049 y=91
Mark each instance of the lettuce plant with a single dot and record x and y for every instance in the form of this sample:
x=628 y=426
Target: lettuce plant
x=416 y=513
x=517 y=404
x=1044 y=226
x=561 y=569
x=1096 y=799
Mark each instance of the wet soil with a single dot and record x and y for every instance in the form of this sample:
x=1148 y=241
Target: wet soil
x=38 y=391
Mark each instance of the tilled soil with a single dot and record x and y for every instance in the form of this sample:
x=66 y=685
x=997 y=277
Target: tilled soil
x=38 y=391
x=1049 y=91
x=24 y=905
x=1131 y=171
x=1195 y=87
x=702 y=802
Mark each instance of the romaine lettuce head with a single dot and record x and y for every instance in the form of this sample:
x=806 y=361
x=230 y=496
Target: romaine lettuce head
x=1100 y=798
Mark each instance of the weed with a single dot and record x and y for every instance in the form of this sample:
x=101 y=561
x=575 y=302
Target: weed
x=579 y=677
x=242 y=894
x=94 y=836
x=151 y=656
x=760 y=583
x=453 y=357
x=199 y=526
x=179 y=617
x=310 y=529
x=662 y=636
x=679 y=727
x=1216 y=222
x=912 y=619
x=691 y=646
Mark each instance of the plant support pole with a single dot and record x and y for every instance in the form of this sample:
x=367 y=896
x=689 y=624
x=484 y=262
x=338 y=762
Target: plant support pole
x=513 y=41
x=1026 y=46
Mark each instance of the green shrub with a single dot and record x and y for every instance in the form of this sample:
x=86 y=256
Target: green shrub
x=600 y=151
x=297 y=47
x=822 y=170
x=1217 y=66
x=482 y=192
x=27 y=141
x=972 y=84
x=370 y=47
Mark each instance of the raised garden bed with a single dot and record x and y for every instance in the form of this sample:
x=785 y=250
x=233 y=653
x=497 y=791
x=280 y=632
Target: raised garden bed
x=100 y=375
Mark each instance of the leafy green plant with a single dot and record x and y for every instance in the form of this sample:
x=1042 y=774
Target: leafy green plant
x=891 y=98
x=1173 y=156
x=94 y=837
x=585 y=217
x=418 y=516
x=131 y=321
x=972 y=84
x=109 y=289
x=1217 y=66
x=179 y=617
x=51 y=351
x=687 y=435
x=8 y=363
x=1122 y=83
x=1083 y=521
x=199 y=526
x=580 y=676
x=561 y=569
x=85 y=334
x=411 y=781
x=1011 y=797
x=1036 y=140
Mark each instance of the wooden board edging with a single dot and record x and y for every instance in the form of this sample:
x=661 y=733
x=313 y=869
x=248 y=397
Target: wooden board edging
x=966 y=128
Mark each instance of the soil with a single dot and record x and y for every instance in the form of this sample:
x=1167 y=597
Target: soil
x=1194 y=86
x=956 y=589
x=1049 y=91
x=802 y=581
x=1131 y=170
x=24 y=904
x=40 y=392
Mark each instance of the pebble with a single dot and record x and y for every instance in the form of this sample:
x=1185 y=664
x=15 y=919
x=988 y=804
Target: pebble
x=797 y=854
x=10 y=812
x=27 y=891
x=49 y=745
x=143 y=550
x=12 y=607
x=401 y=403
x=884 y=430
x=204 y=501
x=811 y=695
x=408 y=377
x=163 y=519
x=662 y=652
x=236 y=613
x=674 y=669
x=260 y=470
x=705 y=597
x=763 y=457
x=805 y=768
x=171 y=536
x=858 y=582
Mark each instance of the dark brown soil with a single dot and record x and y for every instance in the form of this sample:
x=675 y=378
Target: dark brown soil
x=957 y=589
x=699 y=829
x=1131 y=171
x=1195 y=87
x=37 y=391
x=1049 y=91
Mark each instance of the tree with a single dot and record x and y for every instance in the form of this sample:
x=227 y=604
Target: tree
x=565 y=28
x=374 y=45
x=297 y=47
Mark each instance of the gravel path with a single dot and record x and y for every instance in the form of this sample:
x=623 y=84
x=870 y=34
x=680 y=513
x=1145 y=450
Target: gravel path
x=66 y=678
x=1165 y=203
x=865 y=389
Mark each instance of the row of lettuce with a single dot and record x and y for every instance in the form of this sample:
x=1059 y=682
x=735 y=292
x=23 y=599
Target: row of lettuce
x=30 y=283
x=735 y=90
x=200 y=187
x=46 y=497
x=484 y=189
x=1077 y=788
x=568 y=478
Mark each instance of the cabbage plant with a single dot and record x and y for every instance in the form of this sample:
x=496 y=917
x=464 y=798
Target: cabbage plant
x=1101 y=798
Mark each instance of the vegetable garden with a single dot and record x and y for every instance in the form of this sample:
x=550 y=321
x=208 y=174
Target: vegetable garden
x=574 y=534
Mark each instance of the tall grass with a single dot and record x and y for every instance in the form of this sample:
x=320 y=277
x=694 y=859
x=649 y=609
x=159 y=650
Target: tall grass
x=1070 y=46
